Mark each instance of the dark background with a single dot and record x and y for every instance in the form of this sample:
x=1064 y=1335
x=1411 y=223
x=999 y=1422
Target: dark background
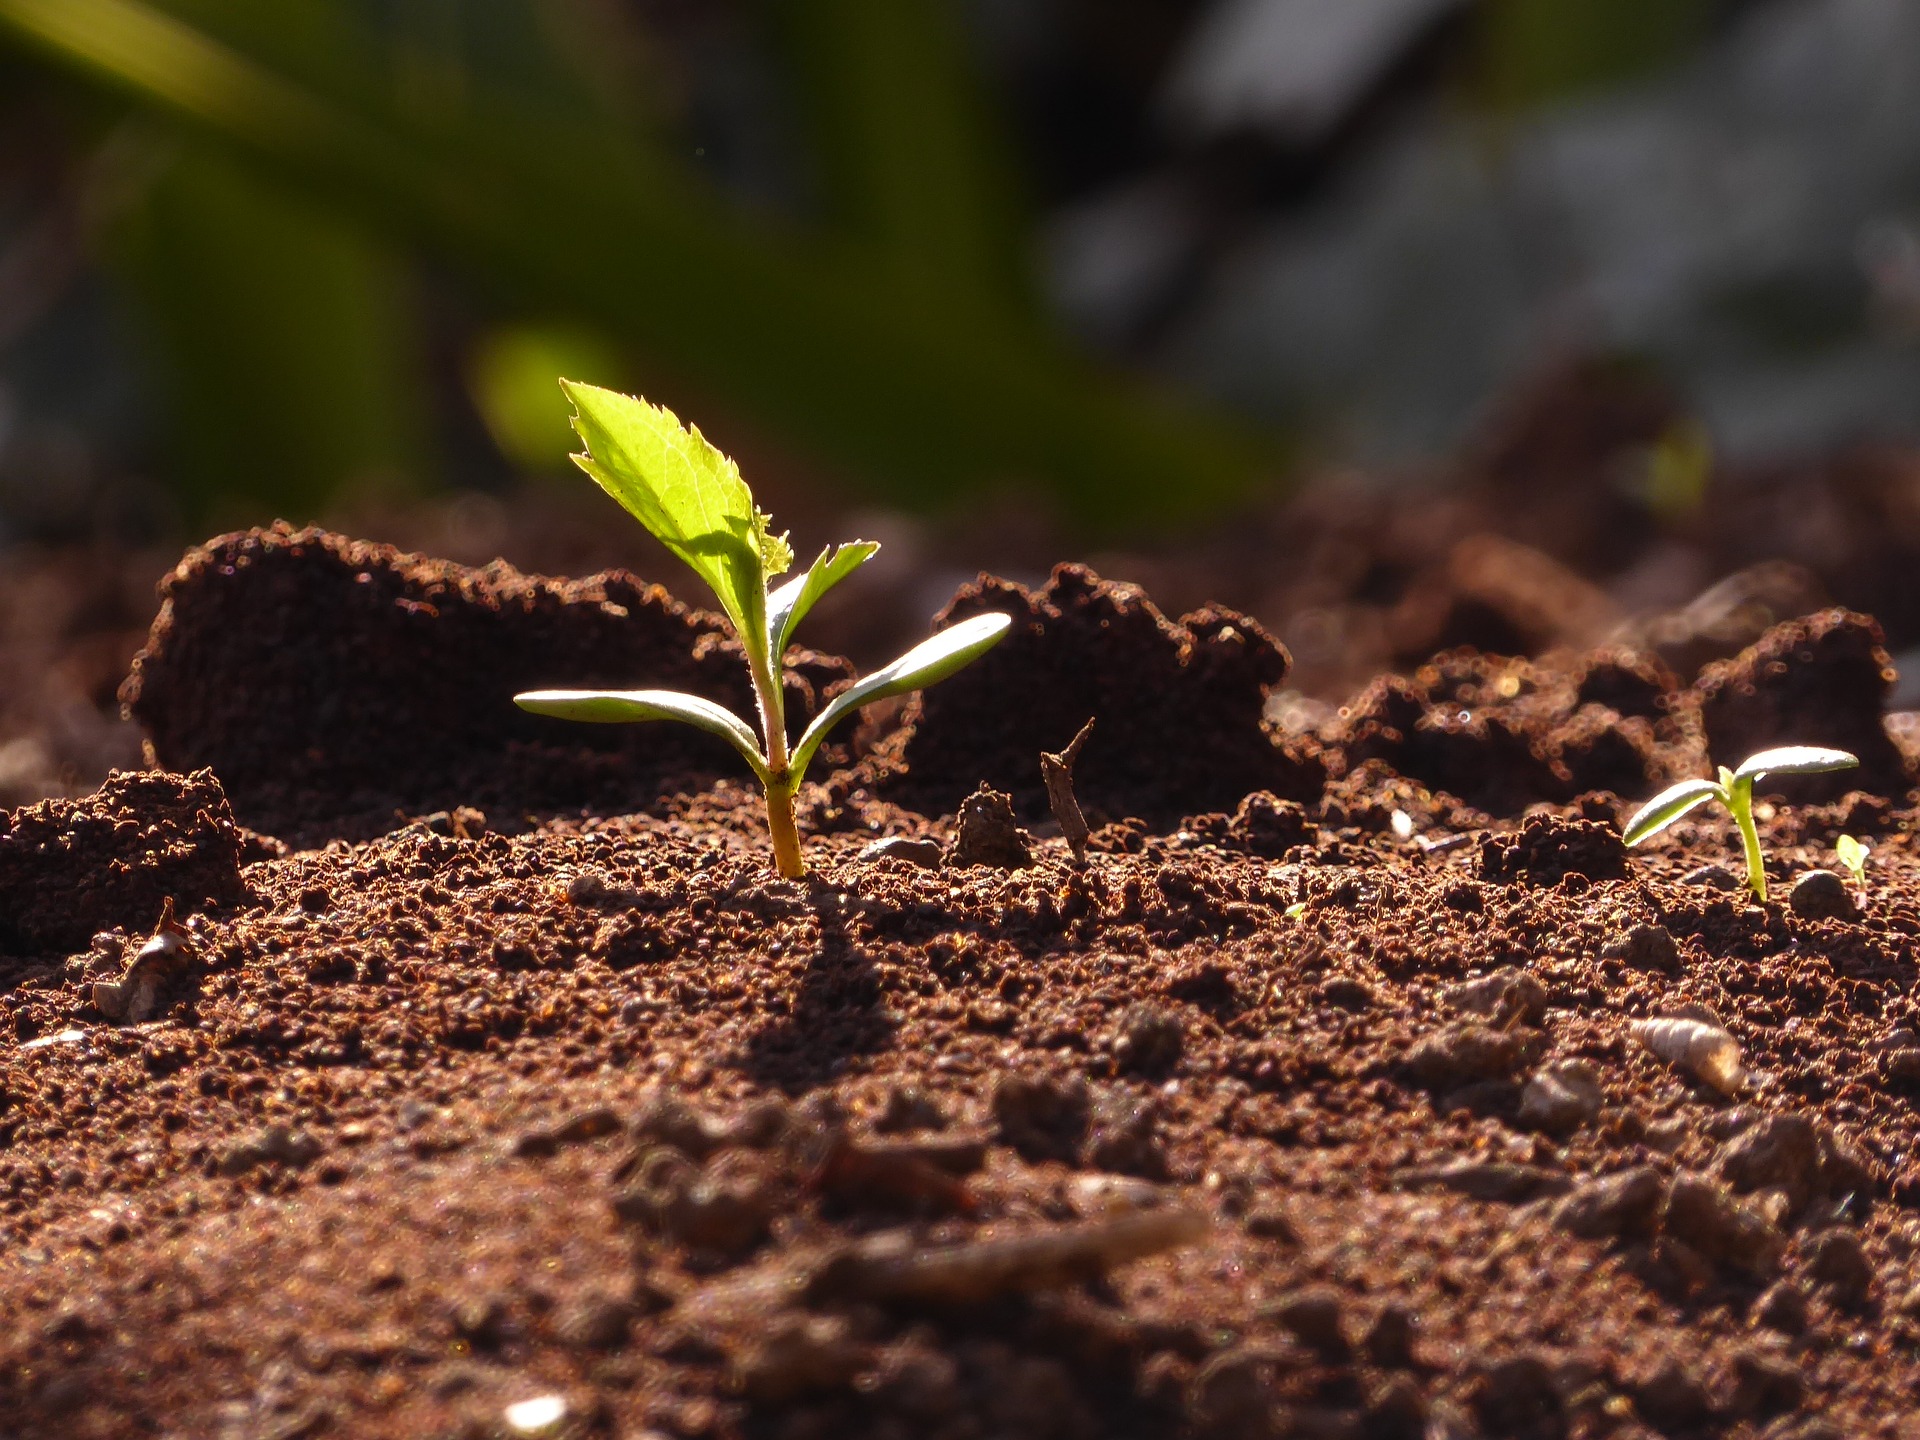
x=1310 y=306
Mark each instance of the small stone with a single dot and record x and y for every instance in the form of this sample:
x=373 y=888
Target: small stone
x=799 y=1355
x=1041 y=1117
x=1396 y=1410
x=1711 y=877
x=595 y=1321
x=541 y=1416
x=1517 y=1394
x=1672 y=1397
x=1503 y=997
x=986 y=833
x=1151 y=1039
x=1504 y=1182
x=276 y=1143
x=1235 y=1393
x=725 y=1207
x=1345 y=993
x=1700 y=1212
x=1622 y=1204
x=1390 y=1338
x=1461 y=1054
x=924 y=853
x=1821 y=895
x=1846 y=1172
x=1125 y=1136
x=1313 y=1316
x=1783 y=1307
x=1765 y=1384
x=906 y=1109
x=1096 y=1194
x=1559 y=1098
x=1901 y=1066
x=1269 y=1220
x=1837 y=1262
x=1780 y=1151
x=481 y=1320
x=1644 y=947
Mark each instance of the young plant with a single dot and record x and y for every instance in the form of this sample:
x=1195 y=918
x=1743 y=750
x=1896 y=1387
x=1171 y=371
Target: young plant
x=1852 y=855
x=1734 y=790
x=693 y=500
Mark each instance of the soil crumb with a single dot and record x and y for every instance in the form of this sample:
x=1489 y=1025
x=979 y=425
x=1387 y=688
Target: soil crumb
x=1178 y=706
x=330 y=682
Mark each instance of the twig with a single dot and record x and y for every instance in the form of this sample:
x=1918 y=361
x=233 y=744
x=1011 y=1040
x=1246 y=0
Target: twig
x=1057 y=771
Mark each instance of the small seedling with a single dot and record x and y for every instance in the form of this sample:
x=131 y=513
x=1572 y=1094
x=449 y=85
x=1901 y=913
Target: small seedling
x=693 y=500
x=1852 y=854
x=1734 y=790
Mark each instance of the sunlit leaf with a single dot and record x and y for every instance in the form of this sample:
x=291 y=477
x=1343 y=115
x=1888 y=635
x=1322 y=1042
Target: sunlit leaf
x=611 y=707
x=928 y=662
x=789 y=605
x=687 y=493
x=1668 y=806
x=1795 y=760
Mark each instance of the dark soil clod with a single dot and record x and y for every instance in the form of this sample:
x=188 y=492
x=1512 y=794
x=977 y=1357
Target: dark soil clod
x=986 y=833
x=1822 y=680
x=72 y=868
x=327 y=680
x=1180 y=707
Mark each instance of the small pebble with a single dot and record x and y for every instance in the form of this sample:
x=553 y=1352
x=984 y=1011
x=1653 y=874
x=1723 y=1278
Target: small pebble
x=1561 y=1097
x=924 y=853
x=1711 y=877
x=1644 y=947
x=1821 y=895
x=542 y=1415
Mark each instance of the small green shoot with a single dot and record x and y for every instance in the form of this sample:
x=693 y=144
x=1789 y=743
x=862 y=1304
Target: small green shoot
x=1852 y=855
x=1734 y=790
x=693 y=500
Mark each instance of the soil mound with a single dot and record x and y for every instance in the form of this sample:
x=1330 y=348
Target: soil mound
x=1504 y=734
x=1819 y=680
x=72 y=868
x=1178 y=707
x=324 y=678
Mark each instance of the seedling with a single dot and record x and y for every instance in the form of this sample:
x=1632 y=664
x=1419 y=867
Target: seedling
x=1852 y=854
x=693 y=500
x=1734 y=790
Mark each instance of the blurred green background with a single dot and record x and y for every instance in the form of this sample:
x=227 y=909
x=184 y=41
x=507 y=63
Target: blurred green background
x=350 y=243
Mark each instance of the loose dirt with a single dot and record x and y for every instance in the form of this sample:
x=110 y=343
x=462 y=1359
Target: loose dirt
x=1358 y=1083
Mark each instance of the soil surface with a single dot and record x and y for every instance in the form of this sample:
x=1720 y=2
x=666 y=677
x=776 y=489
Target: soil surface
x=485 y=1081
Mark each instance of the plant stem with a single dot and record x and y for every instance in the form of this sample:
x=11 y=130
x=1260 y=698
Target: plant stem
x=781 y=783
x=786 y=838
x=1740 y=801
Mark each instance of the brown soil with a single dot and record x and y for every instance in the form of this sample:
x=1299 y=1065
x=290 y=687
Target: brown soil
x=1316 y=1110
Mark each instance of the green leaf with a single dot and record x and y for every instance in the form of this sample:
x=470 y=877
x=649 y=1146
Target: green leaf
x=1668 y=806
x=928 y=662
x=1852 y=853
x=788 y=606
x=687 y=493
x=1795 y=760
x=611 y=707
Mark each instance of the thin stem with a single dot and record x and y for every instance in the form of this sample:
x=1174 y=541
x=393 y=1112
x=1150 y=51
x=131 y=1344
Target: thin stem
x=1741 y=803
x=786 y=838
x=781 y=786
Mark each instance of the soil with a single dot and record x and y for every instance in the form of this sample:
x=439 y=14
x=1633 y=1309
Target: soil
x=488 y=1082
